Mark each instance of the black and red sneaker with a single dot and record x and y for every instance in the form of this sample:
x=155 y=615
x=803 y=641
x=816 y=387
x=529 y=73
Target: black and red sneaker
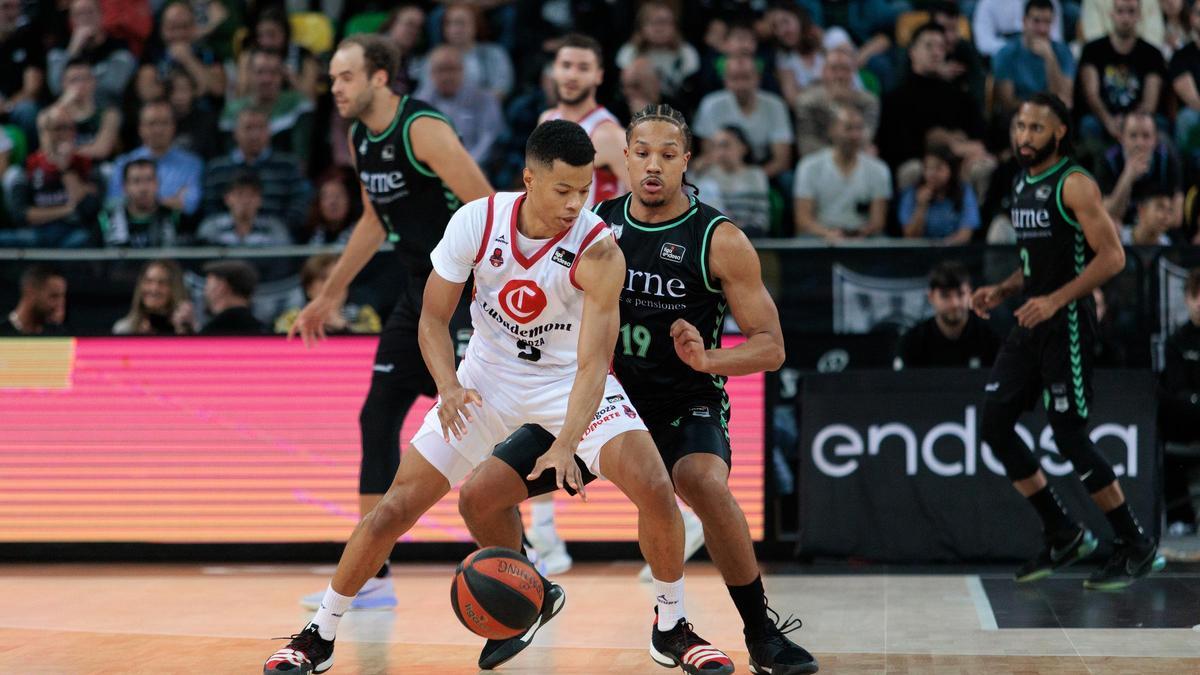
x=307 y=653
x=681 y=648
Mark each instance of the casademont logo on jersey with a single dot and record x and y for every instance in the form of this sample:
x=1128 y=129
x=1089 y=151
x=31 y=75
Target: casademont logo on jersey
x=522 y=300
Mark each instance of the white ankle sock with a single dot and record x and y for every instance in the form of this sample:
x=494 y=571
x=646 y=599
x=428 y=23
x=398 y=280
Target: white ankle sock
x=669 y=595
x=543 y=514
x=333 y=606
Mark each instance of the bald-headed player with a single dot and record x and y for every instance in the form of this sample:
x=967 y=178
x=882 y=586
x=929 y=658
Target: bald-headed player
x=414 y=174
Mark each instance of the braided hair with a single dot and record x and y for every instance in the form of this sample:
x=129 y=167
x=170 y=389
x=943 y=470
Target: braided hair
x=661 y=112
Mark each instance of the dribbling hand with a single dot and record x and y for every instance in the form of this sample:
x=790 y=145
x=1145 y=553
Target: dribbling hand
x=454 y=413
x=689 y=346
x=310 y=323
x=560 y=459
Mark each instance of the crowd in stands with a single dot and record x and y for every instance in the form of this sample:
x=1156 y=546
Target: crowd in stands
x=837 y=119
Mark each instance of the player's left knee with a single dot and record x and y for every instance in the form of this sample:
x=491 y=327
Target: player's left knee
x=1071 y=437
x=472 y=500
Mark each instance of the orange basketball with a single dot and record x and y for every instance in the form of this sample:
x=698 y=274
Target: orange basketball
x=496 y=593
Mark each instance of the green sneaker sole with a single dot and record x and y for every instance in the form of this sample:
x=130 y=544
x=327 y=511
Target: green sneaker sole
x=1086 y=547
x=1121 y=584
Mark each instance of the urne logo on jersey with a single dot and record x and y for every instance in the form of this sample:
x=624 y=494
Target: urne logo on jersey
x=523 y=300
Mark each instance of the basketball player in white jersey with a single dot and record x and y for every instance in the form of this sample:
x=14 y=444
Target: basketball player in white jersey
x=547 y=279
x=578 y=71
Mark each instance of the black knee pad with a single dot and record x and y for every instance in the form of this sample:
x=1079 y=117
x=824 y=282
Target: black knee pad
x=1071 y=437
x=997 y=428
x=379 y=422
x=521 y=451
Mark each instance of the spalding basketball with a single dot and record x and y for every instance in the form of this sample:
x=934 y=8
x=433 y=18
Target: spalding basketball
x=496 y=594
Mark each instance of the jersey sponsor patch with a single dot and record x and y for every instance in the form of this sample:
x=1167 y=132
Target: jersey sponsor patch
x=617 y=229
x=389 y=152
x=615 y=398
x=672 y=252
x=497 y=258
x=630 y=412
x=1043 y=192
x=522 y=300
x=700 y=411
x=563 y=257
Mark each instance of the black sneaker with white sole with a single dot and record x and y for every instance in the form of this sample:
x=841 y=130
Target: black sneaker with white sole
x=681 y=648
x=307 y=652
x=774 y=654
x=496 y=652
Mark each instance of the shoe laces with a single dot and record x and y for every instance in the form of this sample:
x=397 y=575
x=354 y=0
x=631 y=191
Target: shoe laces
x=683 y=634
x=301 y=641
x=792 y=623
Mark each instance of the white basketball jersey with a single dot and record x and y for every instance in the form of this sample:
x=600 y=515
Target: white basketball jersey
x=605 y=184
x=525 y=309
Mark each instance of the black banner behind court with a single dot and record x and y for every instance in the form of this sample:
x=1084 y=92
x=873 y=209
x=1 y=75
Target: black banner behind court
x=893 y=469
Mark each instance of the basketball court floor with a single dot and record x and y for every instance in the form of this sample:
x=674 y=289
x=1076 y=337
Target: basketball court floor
x=76 y=619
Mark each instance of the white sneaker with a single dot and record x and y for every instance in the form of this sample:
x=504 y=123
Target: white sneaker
x=551 y=550
x=693 y=539
x=377 y=594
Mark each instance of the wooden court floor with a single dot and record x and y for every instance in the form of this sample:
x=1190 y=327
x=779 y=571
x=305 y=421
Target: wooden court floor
x=77 y=619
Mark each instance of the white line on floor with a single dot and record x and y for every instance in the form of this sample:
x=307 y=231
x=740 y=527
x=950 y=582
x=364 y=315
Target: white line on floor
x=983 y=606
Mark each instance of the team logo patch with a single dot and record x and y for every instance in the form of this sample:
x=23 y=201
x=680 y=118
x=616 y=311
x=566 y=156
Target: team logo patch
x=615 y=398
x=672 y=252
x=701 y=411
x=522 y=300
x=1043 y=192
x=563 y=257
x=389 y=152
x=497 y=258
x=630 y=412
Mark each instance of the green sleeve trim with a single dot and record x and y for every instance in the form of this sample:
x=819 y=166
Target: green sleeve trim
x=708 y=232
x=408 y=145
x=1058 y=194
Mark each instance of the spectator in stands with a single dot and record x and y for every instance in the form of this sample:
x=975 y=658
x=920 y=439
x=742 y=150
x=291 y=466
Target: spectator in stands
x=290 y=112
x=799 y=57
x=1118 y=73
x=1184 y=75
x=745 y=191
x=1179 y=403
x=963 y=66
x=111 y=60
x=1139 y=161
x=953 y=337
x=473 y=112
x=997 y=21
x=406 y=28
x=179 y=45
x=924 y=103
x=941 y=207
x=42 y=308
x=728 y=40
x=179 y=172
x=814 y=106
x=842 y=192
x=228 y=288
x=1096 y=20
x=763 y=117
x=522 y=114
x=140 y=220
x=1032 y=62
x=273 y=32
x=97 y=129
x=52 y=199
x=285 y=191
x=640 y=86
x=1155 y=218
x=486 y=65
x=195 y=120
x=160 y=303
x=243 y=224
x=1176 y=26
x=22 y=69
x=657 y=37
x=336 y=209
x=345 y=319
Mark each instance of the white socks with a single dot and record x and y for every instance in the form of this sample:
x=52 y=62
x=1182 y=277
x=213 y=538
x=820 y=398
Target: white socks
x=669 y=596
x=543 y=514
x=333 y=606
